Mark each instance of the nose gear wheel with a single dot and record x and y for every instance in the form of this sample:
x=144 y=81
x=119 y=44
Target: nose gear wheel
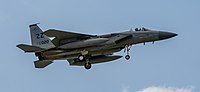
x=127 y=57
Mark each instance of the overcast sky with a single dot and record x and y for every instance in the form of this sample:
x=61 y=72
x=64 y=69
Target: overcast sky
x=167 y=66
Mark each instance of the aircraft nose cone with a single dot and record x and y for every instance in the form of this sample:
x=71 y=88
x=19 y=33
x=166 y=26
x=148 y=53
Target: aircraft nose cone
x=166 y=35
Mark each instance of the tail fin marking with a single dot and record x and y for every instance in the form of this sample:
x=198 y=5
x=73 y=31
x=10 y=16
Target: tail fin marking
x=38 y=38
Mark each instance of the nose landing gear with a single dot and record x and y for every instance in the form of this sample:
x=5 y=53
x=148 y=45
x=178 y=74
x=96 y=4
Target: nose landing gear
x=127 y=49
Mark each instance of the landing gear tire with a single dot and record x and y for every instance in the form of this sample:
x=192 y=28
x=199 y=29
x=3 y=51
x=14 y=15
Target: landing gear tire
x=81 y=57
x=88 y=65
x=127 y=57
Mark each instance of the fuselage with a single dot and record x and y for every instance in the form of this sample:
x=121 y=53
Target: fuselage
x=104 y=44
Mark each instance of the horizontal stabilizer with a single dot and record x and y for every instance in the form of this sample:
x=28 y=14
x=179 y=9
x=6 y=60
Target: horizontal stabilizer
x=29 y=48
x=42 y=63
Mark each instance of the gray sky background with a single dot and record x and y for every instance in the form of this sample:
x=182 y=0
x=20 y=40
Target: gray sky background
x=170 y=63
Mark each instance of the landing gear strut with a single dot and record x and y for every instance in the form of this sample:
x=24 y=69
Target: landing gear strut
x=127 y=49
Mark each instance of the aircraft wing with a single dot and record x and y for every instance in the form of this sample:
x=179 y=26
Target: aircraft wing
x=59 y=35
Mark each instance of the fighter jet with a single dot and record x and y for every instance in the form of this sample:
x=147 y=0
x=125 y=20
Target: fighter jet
x=85 y=49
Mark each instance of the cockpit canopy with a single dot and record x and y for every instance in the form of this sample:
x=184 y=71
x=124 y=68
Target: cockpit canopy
x=141 y=29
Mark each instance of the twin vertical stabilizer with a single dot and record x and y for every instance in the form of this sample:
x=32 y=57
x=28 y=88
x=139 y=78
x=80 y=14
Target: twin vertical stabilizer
x=38 y=38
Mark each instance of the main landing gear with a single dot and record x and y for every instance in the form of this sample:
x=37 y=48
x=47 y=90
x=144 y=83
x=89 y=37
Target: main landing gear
x=127 y=49
x=85 y=59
